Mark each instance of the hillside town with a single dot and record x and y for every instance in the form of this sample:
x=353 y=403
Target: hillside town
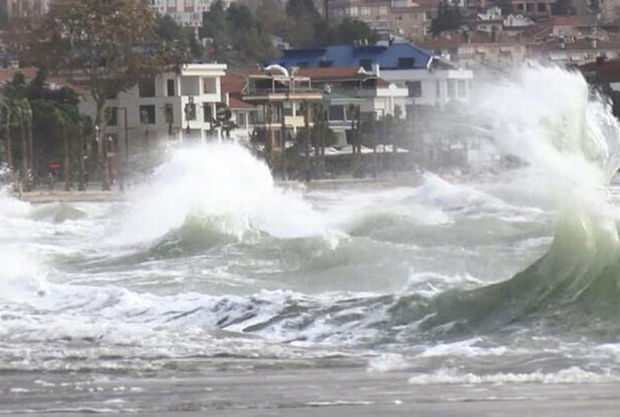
x=320 y=89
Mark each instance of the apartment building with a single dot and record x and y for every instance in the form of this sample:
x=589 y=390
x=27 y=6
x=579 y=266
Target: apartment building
x=184 y=12
x=410 y=19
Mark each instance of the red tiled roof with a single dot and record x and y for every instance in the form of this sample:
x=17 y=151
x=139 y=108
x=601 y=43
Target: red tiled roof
x=456 y=39
x=233 y=82
x=537 y=31
x=578 y=45
x=235 y=102
x=29 y=73
x=570 y=21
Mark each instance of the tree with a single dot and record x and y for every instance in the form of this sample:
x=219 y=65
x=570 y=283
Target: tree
x=167 y=28
x=562 y=8
x=110 y=45
x=349 y=31
x=183 y=38
x=505 y=6
x=269 y=13
x=448 y=18
x=303 y=26
x=238 y=36
x=6 y=133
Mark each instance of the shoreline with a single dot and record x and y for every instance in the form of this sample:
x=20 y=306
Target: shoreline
x=74 y=196
x=115 y=195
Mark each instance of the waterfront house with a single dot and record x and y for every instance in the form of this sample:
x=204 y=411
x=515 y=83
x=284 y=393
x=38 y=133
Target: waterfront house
x=355 y=87
x=430 y=80
x=176 y=106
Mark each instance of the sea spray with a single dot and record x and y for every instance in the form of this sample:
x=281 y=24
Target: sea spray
x=22 y=278
x=226 y=187
x=567 y=140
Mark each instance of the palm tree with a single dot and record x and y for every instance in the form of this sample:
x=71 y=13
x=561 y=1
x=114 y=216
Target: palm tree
x=6 y=127
x=62 y=120
x=22 y=114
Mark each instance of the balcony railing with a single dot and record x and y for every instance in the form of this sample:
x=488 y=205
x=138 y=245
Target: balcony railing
x=280 y=90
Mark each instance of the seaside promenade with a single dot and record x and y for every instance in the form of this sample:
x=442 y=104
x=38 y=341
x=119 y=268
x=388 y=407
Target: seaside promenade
x=93 y=192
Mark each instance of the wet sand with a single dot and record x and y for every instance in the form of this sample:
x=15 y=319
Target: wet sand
x=198 y=388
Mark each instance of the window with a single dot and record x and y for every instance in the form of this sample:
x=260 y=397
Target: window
x=415 y=88
x=520 y=7
x=170 y=85
x=147 y=115
x=438 y=89
x=209 y=85
x=146 y=88
x=365 y=11
x=529 y=7
x=366 y=63
x=542 y=7
x=405 y=62
x=325 y=64
x=336 y=112
x=352 y=11
x=383 y=10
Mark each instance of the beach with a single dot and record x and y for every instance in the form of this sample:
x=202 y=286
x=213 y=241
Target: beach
x=197 y=387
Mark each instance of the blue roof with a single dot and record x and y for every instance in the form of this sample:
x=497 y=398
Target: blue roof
x=395 y=56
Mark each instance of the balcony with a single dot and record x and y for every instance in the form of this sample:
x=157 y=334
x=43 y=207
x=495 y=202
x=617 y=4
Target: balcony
x=296 y=121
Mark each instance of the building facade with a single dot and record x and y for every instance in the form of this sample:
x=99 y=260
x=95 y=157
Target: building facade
x=184 y=12
x=429 y=80
x=410 y=19
x=539 y=8
x=172 y=106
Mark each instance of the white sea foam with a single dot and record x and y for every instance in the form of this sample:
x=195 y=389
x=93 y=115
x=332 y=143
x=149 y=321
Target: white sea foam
x=213 y=181
x=572 y=375
x=387 y=362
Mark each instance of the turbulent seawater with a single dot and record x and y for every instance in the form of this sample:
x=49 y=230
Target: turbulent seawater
x=505 y=278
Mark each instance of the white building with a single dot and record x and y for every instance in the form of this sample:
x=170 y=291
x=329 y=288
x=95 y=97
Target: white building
x=432 y=87
x=172 y=106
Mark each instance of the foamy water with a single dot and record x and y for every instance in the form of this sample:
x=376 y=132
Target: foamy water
x=209 y=258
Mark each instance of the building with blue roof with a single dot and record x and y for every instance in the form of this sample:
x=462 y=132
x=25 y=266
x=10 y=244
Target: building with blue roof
x=431 y=80
x=394 y=56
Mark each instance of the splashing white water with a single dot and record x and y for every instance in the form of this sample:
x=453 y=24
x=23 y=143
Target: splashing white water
x=569 y=141
x=223 y=182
